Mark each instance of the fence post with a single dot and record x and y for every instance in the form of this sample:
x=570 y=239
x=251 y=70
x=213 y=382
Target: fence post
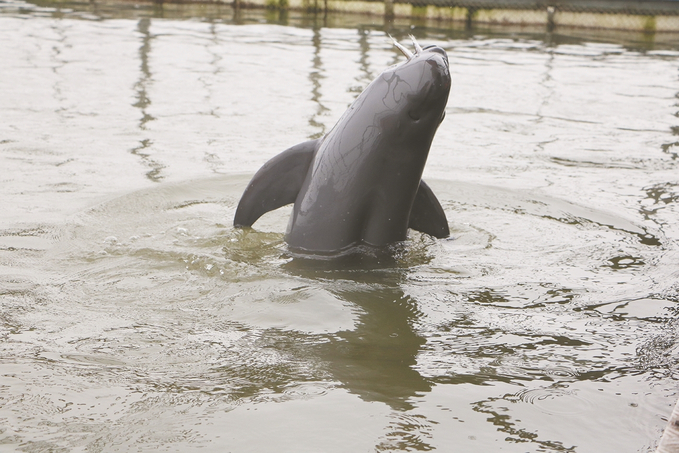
x=550 y=18
x=388 y=9
x=471 y=12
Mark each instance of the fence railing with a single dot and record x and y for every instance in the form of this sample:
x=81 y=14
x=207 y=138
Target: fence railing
x=640 y=15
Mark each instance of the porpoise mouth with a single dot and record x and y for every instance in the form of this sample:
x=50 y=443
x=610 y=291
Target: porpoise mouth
x=420 y=109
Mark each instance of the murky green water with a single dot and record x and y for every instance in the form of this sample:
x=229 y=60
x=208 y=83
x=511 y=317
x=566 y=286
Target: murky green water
x=133 y=317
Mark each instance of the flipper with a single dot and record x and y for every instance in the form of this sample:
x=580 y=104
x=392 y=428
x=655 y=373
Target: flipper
x=427 y=214
x=276 y=184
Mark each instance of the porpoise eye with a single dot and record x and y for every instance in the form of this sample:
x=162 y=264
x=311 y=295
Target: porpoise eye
x=414 y=116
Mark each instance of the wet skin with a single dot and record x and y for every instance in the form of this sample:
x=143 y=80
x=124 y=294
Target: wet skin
x=361 y=183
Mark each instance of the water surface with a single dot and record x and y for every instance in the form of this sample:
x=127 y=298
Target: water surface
x=133 y=317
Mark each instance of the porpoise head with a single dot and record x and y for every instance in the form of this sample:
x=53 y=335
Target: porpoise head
x=416 y=91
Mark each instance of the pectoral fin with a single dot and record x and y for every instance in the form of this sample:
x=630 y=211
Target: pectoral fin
x=427 y=215
x=276 y=184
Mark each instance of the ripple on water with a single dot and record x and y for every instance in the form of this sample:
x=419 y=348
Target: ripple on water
x=561 y=372
x=307 y=390
x=167 y=297
x=408 y=432
x=554 y=400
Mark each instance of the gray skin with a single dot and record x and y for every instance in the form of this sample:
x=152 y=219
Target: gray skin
x=361 y=183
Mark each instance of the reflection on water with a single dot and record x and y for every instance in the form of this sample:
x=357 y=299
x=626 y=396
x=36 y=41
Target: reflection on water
x=671 y=147
x=316 y=77
x=134 y=317
x=375 y=358
x=143 y=101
